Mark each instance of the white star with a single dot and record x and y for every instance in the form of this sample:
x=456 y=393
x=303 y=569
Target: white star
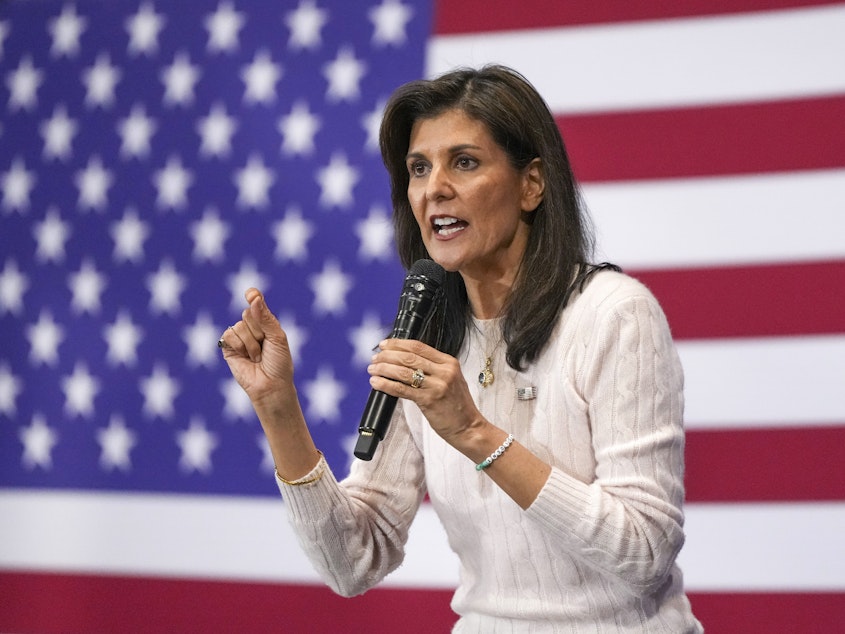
x=10 y=387
x=365 y=337
x=116 y=441
x=324 y=394
x=13 y=284
x=51 y=234
x=100 y=81
x=267 y=462
x=17 y=184
x=45 y=337
x=199 y=338
x=291 y=234
x=66 y=30
x=223 y=26
x=371 y=122
x=165 y=286
x=80 y=388
x=122 y=337
x=93 y=183
x=172 y=183
x=87 y=286
x=58 y=132
x=4 y=31
x=209 y=235
x=159 y=391
x=129 y=234
x=246 y=277
x=305 y=24
x=260 y=78
x=135 y=133
x=390 y=19
x=196 y=444
x=144 y=28
x=179 y=80
x=297 y=337
x=330 y=287
x=376 y=235
x=336 y=182
x=236 y=403
x=298 y=129
x=344 y=75
x=23 y=85
x=216 y=131
x=254 y=182
x=38 y=441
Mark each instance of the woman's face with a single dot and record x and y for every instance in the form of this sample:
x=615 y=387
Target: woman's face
x=467 y=198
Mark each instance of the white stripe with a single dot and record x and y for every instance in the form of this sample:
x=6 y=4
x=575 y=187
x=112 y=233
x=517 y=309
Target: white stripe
x=764 y=547
x=729 y=547
x=726 y=220
x=767 y=382
x=702 y=60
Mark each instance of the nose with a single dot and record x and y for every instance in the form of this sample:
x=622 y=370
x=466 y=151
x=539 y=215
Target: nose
x=438 y=185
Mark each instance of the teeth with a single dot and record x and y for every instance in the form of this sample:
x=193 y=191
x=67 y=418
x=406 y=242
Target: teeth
x=442 y=222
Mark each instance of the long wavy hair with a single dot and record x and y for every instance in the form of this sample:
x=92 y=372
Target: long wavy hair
x=555 y=263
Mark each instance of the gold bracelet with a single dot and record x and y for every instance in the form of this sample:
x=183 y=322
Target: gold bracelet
x=296 y=483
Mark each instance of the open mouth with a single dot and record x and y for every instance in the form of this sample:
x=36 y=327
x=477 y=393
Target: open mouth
x=447 y=226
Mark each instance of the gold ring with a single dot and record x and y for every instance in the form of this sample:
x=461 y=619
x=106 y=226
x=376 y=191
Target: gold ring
x=417 y=378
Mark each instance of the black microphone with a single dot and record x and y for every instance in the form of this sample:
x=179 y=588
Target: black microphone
x=416 y=308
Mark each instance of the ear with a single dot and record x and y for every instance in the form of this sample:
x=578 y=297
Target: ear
x=533 y=185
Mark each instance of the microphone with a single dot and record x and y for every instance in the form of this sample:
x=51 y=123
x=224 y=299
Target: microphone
x=417 y=303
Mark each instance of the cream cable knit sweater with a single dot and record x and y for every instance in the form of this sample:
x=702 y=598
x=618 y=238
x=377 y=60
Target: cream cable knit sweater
x=596 y=550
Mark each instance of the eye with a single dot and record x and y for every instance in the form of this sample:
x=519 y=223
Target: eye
x=464 y=162
x=418 y=168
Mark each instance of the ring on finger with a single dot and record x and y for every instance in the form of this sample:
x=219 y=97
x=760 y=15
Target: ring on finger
x=417 y=378
x=220 y=342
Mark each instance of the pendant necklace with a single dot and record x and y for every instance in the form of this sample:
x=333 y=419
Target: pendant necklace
x=486 y=376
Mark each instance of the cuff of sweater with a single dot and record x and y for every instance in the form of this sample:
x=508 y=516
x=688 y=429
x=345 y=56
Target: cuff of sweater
x=308 y=497
x=563 y=501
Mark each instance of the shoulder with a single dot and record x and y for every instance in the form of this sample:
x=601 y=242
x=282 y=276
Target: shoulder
x=607 y=289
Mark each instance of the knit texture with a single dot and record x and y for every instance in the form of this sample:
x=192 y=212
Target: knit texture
x=596 y=550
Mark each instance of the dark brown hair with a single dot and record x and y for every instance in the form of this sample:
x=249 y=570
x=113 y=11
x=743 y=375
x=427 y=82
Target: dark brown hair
x=560 y=241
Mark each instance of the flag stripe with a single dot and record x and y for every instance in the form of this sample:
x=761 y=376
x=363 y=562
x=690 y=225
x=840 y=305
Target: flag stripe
x=723 y=549
x=764 y=381
x=718 y=221
x=749 y=301
x=74 y=603
x=53 y=603
x=474 y=16
x=745 y=138
x=681 y=62
x=766 y=464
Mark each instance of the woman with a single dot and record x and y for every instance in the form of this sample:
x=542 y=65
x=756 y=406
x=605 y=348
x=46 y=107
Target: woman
x=547 y=427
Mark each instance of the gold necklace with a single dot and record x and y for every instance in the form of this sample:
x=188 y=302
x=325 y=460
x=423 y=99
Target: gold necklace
x=486 y=376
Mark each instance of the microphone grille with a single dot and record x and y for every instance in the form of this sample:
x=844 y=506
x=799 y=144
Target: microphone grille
x=430 y=269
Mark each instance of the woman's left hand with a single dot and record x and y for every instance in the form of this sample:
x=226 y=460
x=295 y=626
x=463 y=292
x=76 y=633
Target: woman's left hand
x=442 y=394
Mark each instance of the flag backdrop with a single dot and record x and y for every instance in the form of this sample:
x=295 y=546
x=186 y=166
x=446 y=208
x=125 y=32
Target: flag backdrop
x=158 y=158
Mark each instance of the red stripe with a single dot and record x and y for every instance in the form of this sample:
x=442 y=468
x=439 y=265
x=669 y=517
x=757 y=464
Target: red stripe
x=715 y=140
x=766 y=465
x=470 y=16
x=751 y=301
x=34 y=602
x=759 y=613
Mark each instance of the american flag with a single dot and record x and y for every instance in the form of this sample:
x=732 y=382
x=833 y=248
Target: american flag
x=156 y=159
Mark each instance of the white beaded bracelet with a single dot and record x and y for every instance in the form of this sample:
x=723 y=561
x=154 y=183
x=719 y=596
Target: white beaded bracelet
x=489 y=460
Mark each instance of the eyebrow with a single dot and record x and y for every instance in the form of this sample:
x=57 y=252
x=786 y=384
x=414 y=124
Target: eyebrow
x=452 y=150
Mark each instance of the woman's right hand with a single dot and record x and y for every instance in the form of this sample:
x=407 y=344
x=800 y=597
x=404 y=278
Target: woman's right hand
x=257 y=352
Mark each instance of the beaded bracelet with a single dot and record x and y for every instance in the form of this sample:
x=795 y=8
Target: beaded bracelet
x=488 y=461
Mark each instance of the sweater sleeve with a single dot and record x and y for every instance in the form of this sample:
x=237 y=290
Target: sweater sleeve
x=628 y=521
x=354 y=531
